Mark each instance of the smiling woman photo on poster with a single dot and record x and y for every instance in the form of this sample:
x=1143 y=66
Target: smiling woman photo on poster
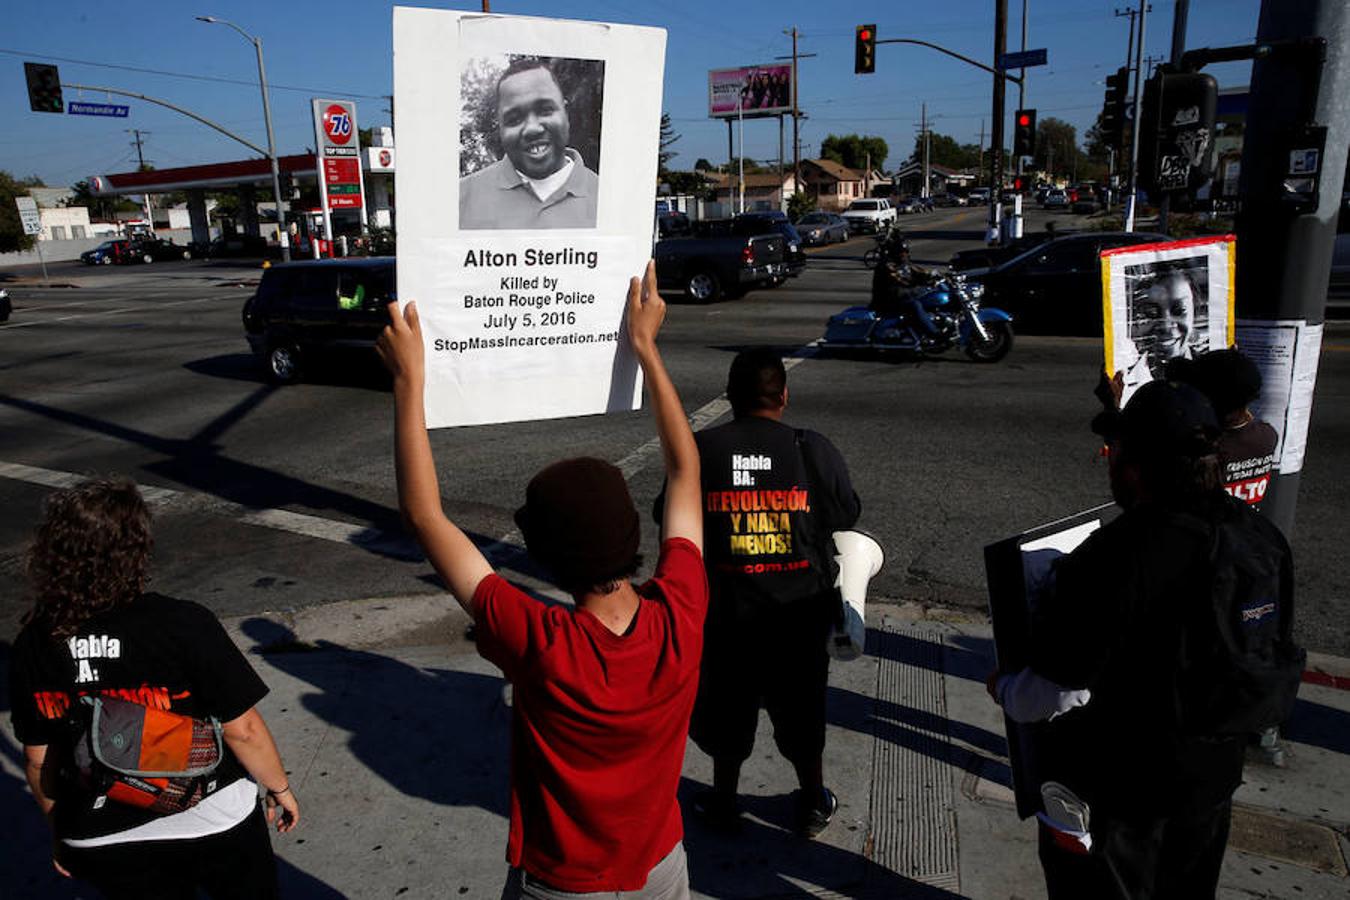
x=530 y=142
x=1168 y=313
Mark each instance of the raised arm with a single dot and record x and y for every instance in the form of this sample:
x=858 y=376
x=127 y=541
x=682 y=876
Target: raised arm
x=683 y=512
x=455 y=558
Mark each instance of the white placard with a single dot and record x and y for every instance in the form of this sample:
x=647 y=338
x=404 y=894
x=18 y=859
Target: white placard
x=1286 y=351
x=1162 y=301
x=521 y=290
x=29 y=215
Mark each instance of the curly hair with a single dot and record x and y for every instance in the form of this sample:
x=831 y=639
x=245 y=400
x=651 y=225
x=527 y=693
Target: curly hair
x=91 y=553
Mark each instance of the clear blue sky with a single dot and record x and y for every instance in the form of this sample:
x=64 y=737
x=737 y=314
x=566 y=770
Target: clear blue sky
x=342 y=49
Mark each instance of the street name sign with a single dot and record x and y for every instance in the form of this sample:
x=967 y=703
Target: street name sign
x=110 y=110
x=1023 y=59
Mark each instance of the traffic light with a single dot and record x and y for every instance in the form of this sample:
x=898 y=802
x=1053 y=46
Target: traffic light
x=1024 y=133
x=1112 y=126
x=44 y=88
x=1020 y=183
x=1176 y=131
x=865 y=50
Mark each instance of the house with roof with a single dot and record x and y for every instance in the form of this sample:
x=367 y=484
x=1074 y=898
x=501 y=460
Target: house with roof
x=763 y=190
x=831 y=185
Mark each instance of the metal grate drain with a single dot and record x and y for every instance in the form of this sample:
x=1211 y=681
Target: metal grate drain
x=913 y=810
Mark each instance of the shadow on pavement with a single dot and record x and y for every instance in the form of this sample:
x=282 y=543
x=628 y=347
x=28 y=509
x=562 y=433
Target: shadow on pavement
x=763 y=859
x=25 y=867
x=198 y=463
x=436 y=734
x=1319 y=726
x=356 y=370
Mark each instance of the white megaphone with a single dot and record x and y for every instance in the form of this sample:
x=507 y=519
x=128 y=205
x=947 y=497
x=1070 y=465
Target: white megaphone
x=859 y=557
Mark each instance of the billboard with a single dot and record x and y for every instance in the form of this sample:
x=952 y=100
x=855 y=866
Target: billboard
x=750 y=91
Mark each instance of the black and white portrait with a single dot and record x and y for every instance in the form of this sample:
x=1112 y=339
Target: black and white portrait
x=530 y=142
x=1168 y=313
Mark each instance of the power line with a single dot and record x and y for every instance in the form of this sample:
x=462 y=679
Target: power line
x=188 y=75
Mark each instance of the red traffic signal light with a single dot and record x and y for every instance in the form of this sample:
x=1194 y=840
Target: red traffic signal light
x=1024 y=134
x=865 y=50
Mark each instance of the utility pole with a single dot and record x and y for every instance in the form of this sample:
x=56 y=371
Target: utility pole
x=796 y=114
x=138 y=144
x=981 y=166
x=1133 y=189
x=1179 y=15
x=1022 y=85
x=924 y=133
x=996 y=150
x=1284 y=251
x=1129 y=64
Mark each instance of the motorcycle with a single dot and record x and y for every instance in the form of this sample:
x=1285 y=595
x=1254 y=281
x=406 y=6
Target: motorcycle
x=984 y=333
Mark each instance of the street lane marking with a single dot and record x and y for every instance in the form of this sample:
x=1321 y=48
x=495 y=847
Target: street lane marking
x=335 y=531
x=110 y=312
x=162 y=499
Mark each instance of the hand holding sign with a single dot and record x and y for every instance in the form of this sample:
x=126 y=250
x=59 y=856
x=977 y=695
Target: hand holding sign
x=646 y=310
x=400 y=346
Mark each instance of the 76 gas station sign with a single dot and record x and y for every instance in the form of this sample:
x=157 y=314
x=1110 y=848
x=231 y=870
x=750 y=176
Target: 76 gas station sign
x=339 y=161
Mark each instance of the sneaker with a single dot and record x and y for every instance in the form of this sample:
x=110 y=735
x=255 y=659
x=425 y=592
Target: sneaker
x=717 y=811
x=812 y=818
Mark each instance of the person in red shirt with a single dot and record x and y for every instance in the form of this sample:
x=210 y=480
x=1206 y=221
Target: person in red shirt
x=603 y=690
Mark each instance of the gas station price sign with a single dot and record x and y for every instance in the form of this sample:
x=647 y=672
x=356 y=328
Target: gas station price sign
x=339 y=157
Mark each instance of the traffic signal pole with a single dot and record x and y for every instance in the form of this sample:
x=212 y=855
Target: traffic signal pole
x=1284 y=251
x=1133 y=183
x=996 y=150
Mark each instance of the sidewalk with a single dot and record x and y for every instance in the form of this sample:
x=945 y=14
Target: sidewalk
x=398 y=755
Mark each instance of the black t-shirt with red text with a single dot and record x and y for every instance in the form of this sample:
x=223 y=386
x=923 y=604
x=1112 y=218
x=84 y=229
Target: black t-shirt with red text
x=1246 y=457
x=157 y=651
x=767 y=516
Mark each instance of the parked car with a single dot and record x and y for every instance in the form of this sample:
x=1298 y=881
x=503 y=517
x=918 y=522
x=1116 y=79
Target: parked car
x=869 y=216
x=1055 y=287
x=764 y=222
x=306 y=311
x=6 y=307
x=149 y=250
x=822 y=228
x=719 y=259
x=949 y=200
x=107 y=253
x=978 y=196
x=1086 y=204
x=1055 y=198
x=232 y=246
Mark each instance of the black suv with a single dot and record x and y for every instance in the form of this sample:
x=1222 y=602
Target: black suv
x=304 y=310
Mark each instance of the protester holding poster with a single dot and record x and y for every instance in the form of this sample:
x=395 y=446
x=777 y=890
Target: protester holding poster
x=1163 y=302
x=603 y=690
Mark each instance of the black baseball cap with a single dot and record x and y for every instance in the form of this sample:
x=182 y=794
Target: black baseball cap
x=1228 y=378
x=1167 y=419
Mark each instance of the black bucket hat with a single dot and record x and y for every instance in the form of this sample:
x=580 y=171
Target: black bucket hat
x=580 y=521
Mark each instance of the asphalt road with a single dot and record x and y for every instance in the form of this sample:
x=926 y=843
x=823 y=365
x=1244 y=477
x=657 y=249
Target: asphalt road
x=282 y=498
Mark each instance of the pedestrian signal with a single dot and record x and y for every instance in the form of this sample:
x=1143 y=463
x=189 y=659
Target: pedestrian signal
x=44 y=88
x=865 y=50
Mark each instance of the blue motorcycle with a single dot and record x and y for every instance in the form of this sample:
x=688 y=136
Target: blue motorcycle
x=984 y=333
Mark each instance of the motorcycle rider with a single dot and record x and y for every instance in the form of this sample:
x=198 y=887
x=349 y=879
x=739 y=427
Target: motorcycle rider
x=897 y=285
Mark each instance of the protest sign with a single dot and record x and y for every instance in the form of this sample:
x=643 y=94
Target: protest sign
x=526 y=185
x=1164 y=301
x=1019 y=571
